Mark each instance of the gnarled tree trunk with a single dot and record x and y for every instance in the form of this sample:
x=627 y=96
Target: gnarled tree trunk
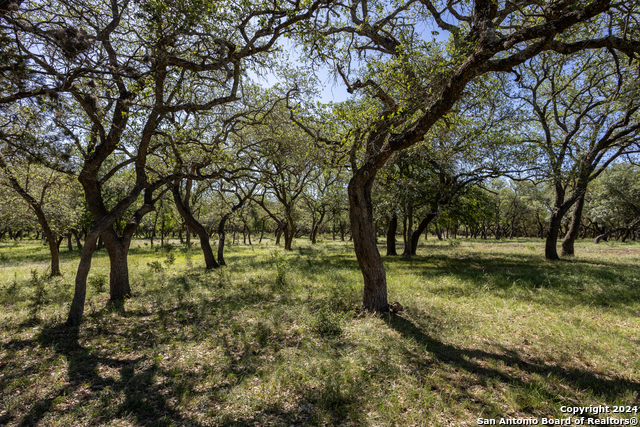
x=364 y=242
x=574 y=228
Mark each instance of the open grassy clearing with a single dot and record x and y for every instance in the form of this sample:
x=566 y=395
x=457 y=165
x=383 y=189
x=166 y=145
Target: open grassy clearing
x=490 y=329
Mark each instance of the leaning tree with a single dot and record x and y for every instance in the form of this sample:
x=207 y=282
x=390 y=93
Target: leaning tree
x=382 y=52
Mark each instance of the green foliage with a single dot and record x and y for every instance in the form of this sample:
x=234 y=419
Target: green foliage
x=39 y=296
x=155 y=266
x=282 y=267
x=170 y=259
x=327 y=322
x=98 y=282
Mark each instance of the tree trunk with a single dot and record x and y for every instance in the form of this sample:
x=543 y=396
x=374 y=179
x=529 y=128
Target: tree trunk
x=314 y=231
x=77 y=237
x=415 y=237
x=80 y=292
x=221 y=238
x=55 y=257
x=193 y=223
x=550 y=250
x=278 y=234
x=364 y=242
x=42 y=220
x=574 y=228
x=391 y=236
x=289 y=233
x=406 y=253
x=261 y=231
x=119 y=287
x=69 y=244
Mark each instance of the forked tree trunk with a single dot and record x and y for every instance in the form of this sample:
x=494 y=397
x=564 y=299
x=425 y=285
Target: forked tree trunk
x=278 y=234
x=391 y=236
x=574 y=228
x=316 y=227
x=77 y=237
x=560 y=208
x=364 y=242
x=118 y=249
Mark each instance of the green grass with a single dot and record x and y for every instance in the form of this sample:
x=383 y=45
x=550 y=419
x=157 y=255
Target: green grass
x=490 y=329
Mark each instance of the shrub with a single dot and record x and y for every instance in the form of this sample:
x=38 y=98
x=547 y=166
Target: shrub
x=98 y=282
x=327 y=323
x=155 y=266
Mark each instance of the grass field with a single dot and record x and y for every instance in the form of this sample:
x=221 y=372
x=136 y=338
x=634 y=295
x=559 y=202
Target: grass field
x=490 y=330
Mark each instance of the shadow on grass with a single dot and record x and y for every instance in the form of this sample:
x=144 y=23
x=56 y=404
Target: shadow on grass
x=143 y=401
x=145 y=391
x=583 y=281
x=509 y=368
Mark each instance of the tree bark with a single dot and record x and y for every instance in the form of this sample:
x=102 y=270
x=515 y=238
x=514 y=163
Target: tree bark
x=118 y=249
x=289 y=232
x=316 y=227
x=408 y=233
x=571 y=236
x=278 y=234
x=77 y=305
x=391 y=236
x=550 y=250
x=119 y=287
x=415 y=237
x=193 y=223
x=560 y=208
x=261 y=231
x=77 y=237
x=364 y=242
x=221 y=238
